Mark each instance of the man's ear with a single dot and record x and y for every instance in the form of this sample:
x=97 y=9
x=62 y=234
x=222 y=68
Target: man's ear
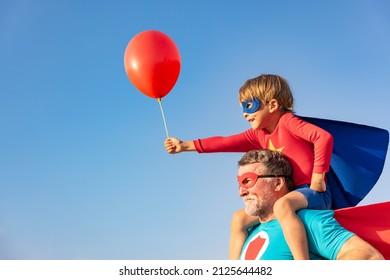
x=273 y=105
x=280 y=183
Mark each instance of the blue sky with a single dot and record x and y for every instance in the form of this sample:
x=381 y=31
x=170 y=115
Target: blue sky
x=83 y=170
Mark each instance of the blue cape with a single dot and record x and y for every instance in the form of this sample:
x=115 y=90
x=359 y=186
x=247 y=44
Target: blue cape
x=358 y=157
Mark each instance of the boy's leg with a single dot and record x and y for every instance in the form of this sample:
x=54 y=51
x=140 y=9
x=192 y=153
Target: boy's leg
x=239 y=232
x=293 y=228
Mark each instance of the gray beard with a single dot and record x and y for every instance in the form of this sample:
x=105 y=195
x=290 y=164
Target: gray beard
x=262 y=209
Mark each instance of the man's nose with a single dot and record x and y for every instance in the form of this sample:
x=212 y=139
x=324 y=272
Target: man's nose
x=242 y=191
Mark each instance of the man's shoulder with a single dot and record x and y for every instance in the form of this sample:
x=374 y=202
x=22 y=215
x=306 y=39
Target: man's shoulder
x=308 y=215
x=304 y=212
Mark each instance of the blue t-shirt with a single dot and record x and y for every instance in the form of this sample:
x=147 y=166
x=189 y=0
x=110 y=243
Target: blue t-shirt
x=324 y=234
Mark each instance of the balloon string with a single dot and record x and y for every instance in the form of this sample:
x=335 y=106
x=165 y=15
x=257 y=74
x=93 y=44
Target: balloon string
x=162 y=113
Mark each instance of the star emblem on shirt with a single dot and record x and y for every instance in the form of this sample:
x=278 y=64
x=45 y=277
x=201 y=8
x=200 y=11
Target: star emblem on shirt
x=272 y=147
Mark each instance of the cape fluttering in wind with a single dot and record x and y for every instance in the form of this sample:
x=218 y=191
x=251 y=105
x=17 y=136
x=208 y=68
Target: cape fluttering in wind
x=358 y=157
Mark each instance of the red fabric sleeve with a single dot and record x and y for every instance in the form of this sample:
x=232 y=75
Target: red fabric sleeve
x=242 y=142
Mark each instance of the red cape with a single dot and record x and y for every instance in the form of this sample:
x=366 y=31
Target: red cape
x=370 y=222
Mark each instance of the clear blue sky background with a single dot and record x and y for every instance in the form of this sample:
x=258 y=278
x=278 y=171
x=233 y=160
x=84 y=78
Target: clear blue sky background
x=83 y=170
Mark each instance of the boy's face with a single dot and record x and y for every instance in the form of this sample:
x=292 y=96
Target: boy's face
x=255 y=113
x=251 y=106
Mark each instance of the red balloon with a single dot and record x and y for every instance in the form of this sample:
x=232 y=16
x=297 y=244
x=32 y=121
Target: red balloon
x=152 y=63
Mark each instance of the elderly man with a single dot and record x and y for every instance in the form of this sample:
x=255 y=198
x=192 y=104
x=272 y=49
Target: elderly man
x=264 y=176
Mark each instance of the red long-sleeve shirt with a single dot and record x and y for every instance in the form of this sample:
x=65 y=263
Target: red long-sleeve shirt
x=308 y=147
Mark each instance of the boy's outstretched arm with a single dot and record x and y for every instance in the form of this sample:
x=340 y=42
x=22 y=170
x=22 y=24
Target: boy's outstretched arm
x=174 y=145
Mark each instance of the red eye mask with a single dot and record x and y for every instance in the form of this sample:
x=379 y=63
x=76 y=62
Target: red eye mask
x=249 y=179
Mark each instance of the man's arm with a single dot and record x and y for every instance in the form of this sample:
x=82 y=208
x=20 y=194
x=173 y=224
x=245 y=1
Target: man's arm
x=356 y=248
x=330 y=240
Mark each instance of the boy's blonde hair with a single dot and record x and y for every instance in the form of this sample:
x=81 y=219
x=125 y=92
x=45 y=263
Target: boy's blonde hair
x=266 y=87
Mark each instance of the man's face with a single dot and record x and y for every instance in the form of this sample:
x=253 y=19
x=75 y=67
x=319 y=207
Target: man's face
x=258 y=199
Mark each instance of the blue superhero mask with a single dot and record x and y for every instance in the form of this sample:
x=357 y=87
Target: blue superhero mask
x=251 y=106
